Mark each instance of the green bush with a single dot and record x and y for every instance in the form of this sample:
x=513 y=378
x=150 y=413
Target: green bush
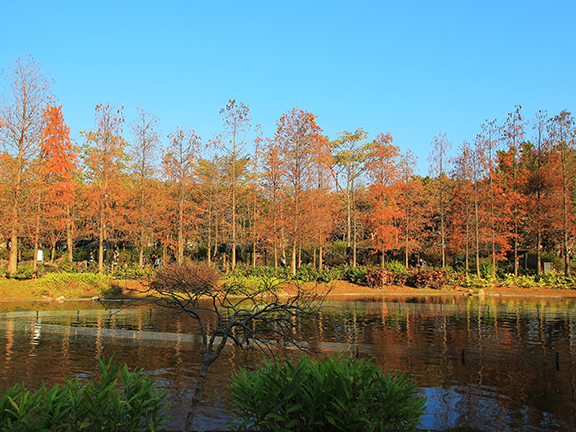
x=356 y=274
x=136 y=272
x=557 y=280
x=96 y=405
x=25 y=272
x=306 y=273
x=336 y=394
x=395 y=267
x=309 y=273
x=522 y=281
x=487 y=270
x=472 y=282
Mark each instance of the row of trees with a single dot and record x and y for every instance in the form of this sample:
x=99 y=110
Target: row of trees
x=509 y=190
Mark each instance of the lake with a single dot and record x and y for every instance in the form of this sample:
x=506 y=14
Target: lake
x=502 y=364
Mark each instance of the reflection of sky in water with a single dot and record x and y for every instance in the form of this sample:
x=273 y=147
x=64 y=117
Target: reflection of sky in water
x=490 y=364
x=460 y=406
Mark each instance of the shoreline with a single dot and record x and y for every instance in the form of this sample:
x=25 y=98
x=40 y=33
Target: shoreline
x=136 y=290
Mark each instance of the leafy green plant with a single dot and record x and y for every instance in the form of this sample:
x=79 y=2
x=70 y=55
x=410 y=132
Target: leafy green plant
x=306 y=273
x=487 y=270
x=355 y=274
x=395 y=267
x=25 y=272
x=118 y=401
x=335 y=394
x=558 y=280
x=133 y=272
x=473 y=282
x=522 y=281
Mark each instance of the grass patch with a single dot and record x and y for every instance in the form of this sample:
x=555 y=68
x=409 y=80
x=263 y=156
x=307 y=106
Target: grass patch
x=75 y=285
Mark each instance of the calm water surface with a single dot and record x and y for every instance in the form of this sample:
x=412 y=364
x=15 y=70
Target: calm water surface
x=502 y=364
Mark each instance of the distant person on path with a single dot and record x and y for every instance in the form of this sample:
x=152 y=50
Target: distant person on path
x=115 y=256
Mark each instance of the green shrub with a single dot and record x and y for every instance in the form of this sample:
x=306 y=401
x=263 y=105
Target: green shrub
x=522 y=281
x=395 y=267
x=336 y=394
x=97 y=405
x=472 y=282
x=137 y=272
x=487 y=270
x=356 y=274
x=309 y=273
x=306 y=273
x=25 y=272
x=557 y=280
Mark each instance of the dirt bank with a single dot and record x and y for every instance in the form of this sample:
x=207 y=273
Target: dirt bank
x=21 y=290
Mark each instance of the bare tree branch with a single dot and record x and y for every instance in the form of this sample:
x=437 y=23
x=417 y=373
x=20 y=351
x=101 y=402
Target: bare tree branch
x=266 y=317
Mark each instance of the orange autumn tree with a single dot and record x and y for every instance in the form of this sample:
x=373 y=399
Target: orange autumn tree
x=104 y=161
x=512 y=176
x=304 y=151
x=323 y=201
x=271 y=178
x=493 y=221
x=143 y=210
x=382 y=165
x=413 y=205
x=538 y=188
x=210 y=197
x=59 y=164
x=562 y=136
x=463 y=226
x=238 y=133
x=180 y=171
x=439 y=165
x=20 y=132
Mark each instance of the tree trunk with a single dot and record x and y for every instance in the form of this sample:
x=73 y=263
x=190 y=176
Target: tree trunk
x=294 y=258
x=101 y=245
x=233 y=260
x=180 y=233
x=69 y=242
x=195 y=399
x=565 y=215
x=13 y=263
x=36 y=239
x=476 y=234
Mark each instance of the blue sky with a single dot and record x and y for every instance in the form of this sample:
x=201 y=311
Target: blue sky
x=412 y=68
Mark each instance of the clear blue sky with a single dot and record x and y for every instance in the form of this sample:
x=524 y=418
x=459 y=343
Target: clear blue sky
x=412 y=68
